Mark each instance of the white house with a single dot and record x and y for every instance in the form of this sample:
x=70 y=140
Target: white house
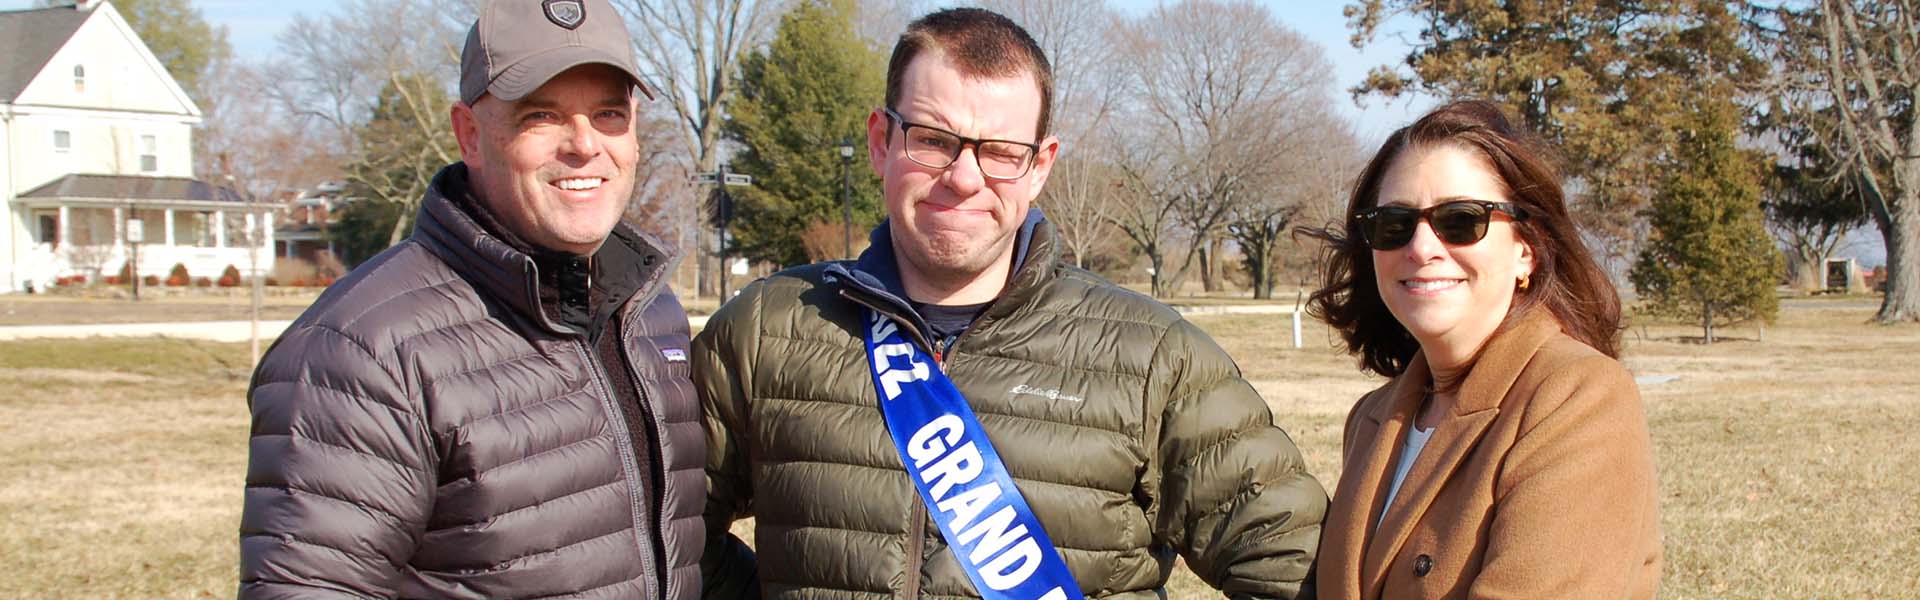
x=96 y=137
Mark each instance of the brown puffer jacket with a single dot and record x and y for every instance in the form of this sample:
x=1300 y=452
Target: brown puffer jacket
x=1129 y=432
x=428 y=430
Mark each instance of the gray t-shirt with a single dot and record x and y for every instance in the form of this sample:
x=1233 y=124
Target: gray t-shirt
x=1416 y=441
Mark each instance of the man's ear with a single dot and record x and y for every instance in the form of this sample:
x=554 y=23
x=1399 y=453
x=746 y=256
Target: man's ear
x=878 y=126
x=466 y=130
x=1043 y=163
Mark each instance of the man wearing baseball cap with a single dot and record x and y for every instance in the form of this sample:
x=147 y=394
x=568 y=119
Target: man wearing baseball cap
x=499 y=406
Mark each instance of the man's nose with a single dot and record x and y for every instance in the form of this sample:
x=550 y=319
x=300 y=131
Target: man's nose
x=581 y=140
x=963 y=176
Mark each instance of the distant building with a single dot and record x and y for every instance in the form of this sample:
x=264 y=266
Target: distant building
x=303 y=232
x=95 y=137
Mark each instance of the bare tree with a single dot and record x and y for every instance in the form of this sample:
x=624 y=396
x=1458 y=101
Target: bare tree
x=1812 y=215
x=662 y=178
x=252 y=139
x=1139 y=204
x=690 y=52
x=1076 y=201
x=1307 y=184
x=1078 y=38
x=1851 y=68
x=391 y=62
x=1220 y=88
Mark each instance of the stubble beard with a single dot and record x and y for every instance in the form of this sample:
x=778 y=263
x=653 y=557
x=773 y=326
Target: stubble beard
x=947 y=262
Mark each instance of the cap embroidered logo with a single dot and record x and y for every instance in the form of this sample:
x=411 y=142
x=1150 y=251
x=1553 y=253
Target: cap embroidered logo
x=565 y=13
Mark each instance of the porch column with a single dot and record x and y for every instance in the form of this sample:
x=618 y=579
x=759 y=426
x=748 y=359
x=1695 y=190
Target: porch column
x=169 y=220
x=66 y=228
x=219 y=229
x=265 y=237
x=119 y=229
x=266 y=233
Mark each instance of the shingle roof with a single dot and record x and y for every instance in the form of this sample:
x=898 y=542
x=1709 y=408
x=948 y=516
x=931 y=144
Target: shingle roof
x=33 y=36
x=133 y=187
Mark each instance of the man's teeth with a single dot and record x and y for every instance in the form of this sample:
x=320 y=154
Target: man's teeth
x=579 y=184
x=1432 y=284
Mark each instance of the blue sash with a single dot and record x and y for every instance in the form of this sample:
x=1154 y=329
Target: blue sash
x=987 y=524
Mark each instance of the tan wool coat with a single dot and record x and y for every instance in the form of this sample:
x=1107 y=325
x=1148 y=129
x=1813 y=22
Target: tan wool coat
x=1539 y=483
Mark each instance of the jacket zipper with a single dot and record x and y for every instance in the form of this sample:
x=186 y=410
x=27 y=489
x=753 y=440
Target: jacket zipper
x=635 y=305
x=659 y=429
x=917 y=542
x=623 y=440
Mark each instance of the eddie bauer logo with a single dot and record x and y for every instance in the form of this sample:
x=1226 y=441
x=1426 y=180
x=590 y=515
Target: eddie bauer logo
x=1027 y=390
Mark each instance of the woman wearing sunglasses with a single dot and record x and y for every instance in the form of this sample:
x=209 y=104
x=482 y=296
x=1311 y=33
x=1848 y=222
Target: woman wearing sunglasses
x=1508 y=455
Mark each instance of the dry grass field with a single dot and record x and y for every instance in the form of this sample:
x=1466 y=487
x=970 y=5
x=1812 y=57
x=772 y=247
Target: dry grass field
x=216 y=305
x=1788 y=467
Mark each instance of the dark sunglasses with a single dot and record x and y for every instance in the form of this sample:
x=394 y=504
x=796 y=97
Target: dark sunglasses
x=1457 y=222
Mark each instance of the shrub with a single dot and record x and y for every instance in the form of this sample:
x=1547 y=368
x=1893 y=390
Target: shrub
x=150 y=280
x=202 y=282
x=115 y=280
x=230 y=277
x=178 y=276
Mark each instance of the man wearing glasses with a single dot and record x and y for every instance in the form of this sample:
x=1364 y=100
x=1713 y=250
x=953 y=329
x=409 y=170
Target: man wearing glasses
x=958 y=413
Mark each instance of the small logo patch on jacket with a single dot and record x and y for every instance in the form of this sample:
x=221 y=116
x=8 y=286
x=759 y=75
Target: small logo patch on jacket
x=673 y=355
x=1027 y=390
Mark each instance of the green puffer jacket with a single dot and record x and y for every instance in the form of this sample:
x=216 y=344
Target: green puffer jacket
x=1129 y=432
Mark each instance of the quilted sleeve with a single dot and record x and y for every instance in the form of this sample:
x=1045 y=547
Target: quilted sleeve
x=1238 y=502
x=340 y=472
x=728 y=567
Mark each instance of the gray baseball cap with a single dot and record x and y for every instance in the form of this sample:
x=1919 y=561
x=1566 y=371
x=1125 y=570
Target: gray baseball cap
x=517 y=45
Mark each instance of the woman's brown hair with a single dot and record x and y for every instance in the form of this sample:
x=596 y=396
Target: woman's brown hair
x=1566 y=281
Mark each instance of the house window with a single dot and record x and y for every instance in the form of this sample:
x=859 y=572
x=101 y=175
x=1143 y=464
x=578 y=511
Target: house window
x=91 y=227
x=80 y=79
x=62 y=140
x=49 y=228
x=193 y=228
x=153 y=225
x=149 y=154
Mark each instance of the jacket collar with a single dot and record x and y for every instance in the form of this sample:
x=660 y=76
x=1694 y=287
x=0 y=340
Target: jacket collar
x=500 y=269
x=877 y=271
x=1492 y=377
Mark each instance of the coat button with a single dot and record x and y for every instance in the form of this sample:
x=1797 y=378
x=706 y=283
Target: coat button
x=1422 y=565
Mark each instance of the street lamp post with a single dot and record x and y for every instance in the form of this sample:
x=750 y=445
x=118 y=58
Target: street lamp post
x=846 y=197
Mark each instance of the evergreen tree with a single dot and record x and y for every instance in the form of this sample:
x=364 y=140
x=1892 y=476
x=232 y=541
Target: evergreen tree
x=1604 y=81
x=360 y=230
x=799 y=98
x=402 y=145
x=1710 y=259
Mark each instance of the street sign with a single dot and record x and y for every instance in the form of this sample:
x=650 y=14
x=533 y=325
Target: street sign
x=136 y=231
x=733 y=179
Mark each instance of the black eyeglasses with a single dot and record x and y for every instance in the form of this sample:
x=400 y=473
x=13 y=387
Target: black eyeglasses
x=1457 y=222
x=936 y=148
